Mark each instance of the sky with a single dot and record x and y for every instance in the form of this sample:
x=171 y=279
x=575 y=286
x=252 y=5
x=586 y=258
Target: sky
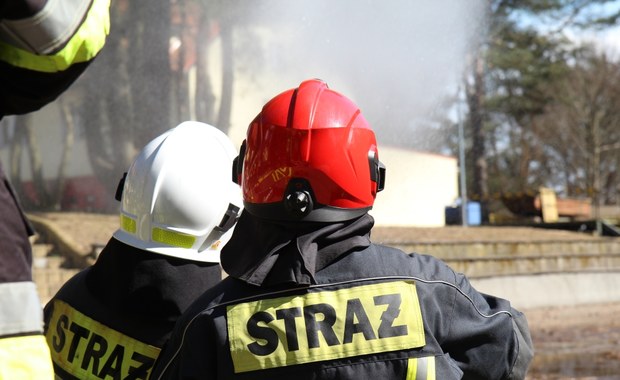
x=607 y=40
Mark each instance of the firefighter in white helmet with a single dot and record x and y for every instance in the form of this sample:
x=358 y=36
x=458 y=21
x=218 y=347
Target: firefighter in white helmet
x=179 y=205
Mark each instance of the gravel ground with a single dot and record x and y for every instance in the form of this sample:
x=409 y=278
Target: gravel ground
x=579 y=342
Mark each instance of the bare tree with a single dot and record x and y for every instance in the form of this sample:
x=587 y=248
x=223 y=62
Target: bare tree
x=581 y=128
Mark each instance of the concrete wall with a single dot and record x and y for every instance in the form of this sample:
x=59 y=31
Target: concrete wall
x=557 y=289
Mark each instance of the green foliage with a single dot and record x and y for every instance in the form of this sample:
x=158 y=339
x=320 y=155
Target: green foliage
x=529 y=110
x=520 y=65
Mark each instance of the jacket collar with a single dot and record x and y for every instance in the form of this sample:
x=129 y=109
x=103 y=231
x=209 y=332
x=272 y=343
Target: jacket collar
x=267 y=253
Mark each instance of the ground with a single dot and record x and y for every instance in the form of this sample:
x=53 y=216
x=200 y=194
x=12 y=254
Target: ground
x=581 y=341
x=576 y=342
x=95 y=229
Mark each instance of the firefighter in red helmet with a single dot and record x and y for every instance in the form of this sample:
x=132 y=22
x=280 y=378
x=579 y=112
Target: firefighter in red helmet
x=309 y=295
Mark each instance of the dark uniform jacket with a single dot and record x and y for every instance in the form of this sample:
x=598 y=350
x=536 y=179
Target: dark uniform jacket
x=23 y=351
x=111 y=320
x=373 y=312
x=44 y=47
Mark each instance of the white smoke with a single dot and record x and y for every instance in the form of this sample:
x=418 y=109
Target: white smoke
x=395 y=59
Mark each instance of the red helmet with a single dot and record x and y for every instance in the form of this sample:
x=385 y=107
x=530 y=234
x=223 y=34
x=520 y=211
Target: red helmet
x=309 y=155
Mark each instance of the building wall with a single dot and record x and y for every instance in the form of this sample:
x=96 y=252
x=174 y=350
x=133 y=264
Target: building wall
x=418 y=187
x=50 y=134
x=82 y=191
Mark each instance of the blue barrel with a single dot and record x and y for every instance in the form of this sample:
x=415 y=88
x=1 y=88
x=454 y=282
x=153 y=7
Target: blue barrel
x=474 y=214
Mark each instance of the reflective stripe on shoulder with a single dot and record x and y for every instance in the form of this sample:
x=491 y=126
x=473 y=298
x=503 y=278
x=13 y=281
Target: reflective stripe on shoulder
x=48 y=30
x=86 y=348
x=421 y=368
x=22 y=46
x=21 y=310
x=25 y=357
x=325 y=325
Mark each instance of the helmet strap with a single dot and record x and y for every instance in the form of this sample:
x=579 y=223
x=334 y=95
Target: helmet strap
x=228 y=221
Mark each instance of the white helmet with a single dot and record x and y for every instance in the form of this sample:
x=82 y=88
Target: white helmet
x=178 y=197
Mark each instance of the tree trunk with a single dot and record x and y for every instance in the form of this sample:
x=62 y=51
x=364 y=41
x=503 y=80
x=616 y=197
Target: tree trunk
x=36 y=167
x=150 y=72
x=19 y=132
x=56 y=195
x=475 y=99
x=223 y=120
x=205 y=99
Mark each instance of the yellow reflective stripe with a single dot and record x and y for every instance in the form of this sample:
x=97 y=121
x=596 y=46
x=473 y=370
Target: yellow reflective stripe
x=421 y=368
x=88 y=40
x=88 y=349
x=25 y=357
x=128 y=224
x=325 y=325
x=173 y=238
x=412 y=369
